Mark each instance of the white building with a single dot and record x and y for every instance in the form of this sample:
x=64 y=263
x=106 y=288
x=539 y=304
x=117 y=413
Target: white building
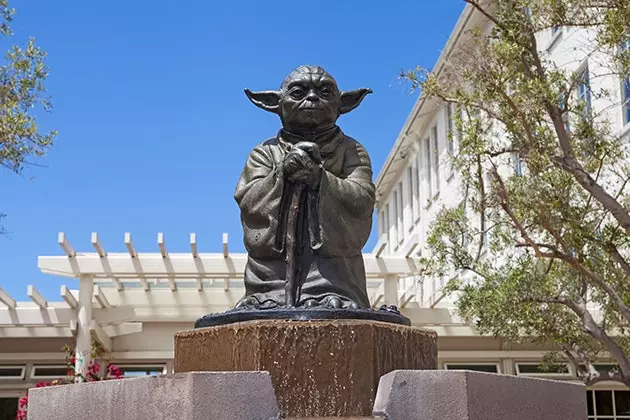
x=134 y=302
x=417 y=180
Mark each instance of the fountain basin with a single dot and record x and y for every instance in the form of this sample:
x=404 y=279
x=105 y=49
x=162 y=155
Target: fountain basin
x=319 y=368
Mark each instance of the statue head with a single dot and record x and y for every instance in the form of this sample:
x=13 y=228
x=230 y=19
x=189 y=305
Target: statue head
x=308 y=100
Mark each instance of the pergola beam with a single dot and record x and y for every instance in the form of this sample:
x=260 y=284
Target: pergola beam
x=61 y=316
x=99 y=334
x=226 y=252
x=65 y=245
x=412 y=245
x=7 y=299
x=193 y=245
x=96 y=243
x=129 y=244
x=380 y=246
x=123 y=329
x=161 y=245
x=36 y=297
x=69 y=298
x=35 y=332
x=185 y=266
x=100 y=297
x=118 y=283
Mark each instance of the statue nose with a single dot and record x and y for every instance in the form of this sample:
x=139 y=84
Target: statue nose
x=312 y=96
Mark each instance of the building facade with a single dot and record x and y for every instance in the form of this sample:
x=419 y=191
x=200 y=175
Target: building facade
x=417 y=180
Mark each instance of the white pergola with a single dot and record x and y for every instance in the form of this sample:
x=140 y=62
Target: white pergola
x=119 y=290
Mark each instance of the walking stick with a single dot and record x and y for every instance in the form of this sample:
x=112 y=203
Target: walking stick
x=291 y=287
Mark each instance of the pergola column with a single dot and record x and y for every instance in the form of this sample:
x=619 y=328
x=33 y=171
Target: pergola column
x=84 y=338
x=390 y=290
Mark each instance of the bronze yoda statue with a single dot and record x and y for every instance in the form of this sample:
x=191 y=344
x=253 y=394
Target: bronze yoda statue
x=306 y=198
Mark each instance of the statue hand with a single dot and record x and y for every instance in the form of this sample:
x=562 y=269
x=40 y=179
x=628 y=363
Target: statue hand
x=299 y=167
x=312 y=149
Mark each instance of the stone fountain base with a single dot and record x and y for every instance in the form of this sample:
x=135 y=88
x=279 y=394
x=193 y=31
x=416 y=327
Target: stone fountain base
x=318 y=368
x=402 y=395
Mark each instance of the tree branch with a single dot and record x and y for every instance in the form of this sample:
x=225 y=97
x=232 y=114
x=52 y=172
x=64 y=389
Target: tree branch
x=569 y=164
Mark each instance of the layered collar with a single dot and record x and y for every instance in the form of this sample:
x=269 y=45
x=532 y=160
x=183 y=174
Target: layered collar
x=326 y=140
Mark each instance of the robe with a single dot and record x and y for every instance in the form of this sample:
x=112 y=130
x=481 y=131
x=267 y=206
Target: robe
x=334 y=221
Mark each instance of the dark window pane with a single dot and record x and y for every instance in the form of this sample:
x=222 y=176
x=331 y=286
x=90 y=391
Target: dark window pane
x=129 y=372
x=523 y=368
x=56 y=372
x=589 y=402
x=605 y=368
x=622 y=402
x=603 y=403
x=10 y=371
x=478 y=368
x=8 y=408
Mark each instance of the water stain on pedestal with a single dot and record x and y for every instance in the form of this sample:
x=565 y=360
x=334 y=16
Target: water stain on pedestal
x=318 y=368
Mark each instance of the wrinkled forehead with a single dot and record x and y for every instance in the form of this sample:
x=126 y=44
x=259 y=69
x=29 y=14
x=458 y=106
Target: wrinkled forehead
x=309 y=77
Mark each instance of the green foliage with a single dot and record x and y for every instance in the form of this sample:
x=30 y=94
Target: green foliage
x=22 y=88
x=542 y=256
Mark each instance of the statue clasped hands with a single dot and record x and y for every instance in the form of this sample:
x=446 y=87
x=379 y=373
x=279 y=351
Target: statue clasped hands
x=303 y=163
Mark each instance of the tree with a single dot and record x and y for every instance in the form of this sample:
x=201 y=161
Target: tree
x=21 y=89
x=541 y=254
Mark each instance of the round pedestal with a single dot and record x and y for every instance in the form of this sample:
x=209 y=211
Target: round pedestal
x=387 y=314
x=318 y=368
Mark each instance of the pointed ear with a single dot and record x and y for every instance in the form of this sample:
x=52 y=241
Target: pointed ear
x=352 y=99
x=269 y=100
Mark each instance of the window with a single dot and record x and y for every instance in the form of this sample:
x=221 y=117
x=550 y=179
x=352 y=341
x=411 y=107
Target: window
x=142 y=370
x=418 y=187
x=478 y=367
x=450 y=129
x=518 y=165
x=8 y=408
x=11 y=372
x=381 y=224
x=625 y=88
x=412 y=197
x=613 y=405
x=626 y=101
x=584 y=92
x=49 y=372
x=436 y=159
x=397 y=233
x=386 y=224
x=427 y=167
x=535 y=369
x=399 y=213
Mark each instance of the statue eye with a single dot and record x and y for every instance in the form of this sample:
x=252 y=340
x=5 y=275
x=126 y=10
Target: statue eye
x=325 y=92
x=297 y=93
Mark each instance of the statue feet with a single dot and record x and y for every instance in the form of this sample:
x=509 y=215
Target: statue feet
x=327 y=302
x=330 y=302
x=250 y=302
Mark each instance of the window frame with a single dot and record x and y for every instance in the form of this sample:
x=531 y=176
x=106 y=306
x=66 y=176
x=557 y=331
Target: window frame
x=428 y=171
x=453 y=365
x=569 y=374
x=13 y=378
x=60 y=367
x=435 y=152
x=583 y=89
x=141 y=366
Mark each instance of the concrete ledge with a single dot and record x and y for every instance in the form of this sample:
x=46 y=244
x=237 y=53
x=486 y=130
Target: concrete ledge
x=186 y=396
x=466 y=395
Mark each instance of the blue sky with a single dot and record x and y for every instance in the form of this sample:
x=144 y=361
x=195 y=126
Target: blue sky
x=155 y=128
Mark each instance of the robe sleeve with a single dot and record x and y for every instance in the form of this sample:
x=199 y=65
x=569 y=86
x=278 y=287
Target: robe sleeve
x=259 y=196
x=345 y=204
